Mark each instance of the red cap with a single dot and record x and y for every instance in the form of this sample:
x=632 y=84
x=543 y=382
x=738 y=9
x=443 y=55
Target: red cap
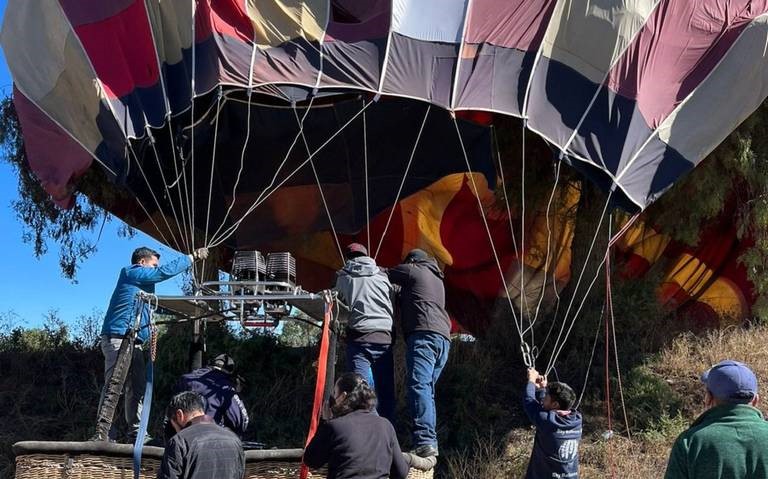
x=356 y=249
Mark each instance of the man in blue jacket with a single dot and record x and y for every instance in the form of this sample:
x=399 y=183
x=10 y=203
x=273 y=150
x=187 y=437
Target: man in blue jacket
x=217 y=384
x=142 y=275
x=558 y=429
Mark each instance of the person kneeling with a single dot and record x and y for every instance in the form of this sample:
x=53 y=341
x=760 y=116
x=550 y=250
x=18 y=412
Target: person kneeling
x=356 y=443
x=200 y=449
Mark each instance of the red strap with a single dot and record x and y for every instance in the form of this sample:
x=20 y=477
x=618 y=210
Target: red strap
x=322 y=362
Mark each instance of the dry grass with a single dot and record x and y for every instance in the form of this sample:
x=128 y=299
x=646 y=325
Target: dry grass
x=645 y=455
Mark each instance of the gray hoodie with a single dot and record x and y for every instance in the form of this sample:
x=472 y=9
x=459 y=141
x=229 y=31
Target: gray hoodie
x=367 y=291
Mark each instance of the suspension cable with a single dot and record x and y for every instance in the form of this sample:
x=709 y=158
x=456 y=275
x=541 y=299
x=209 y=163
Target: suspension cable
x=524 y=347
x=549 y=242
x=274 y=177
x=558 y=345
x=319 y=187
x=262 y=198
x=402 y=183
x=365 y=171
x=612 y=241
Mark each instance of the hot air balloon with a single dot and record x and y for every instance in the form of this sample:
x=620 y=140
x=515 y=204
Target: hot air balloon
x=299 y=124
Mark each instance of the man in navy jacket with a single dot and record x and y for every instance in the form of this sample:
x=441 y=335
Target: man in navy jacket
x=218 y=385
x=558 y=429
x=142 y=275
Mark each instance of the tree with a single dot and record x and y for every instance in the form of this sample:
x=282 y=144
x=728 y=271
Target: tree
x=45 y=224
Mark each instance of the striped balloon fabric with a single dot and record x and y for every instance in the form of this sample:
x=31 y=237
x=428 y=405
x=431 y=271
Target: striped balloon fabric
x=634 y=93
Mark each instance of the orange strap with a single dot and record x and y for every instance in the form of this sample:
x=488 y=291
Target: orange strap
x=322 y=363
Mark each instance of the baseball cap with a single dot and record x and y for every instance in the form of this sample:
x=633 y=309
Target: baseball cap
x=730 y=381
x=355 y=249
x=224 y=362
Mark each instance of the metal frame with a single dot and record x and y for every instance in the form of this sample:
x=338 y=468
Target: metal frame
x=209 y=313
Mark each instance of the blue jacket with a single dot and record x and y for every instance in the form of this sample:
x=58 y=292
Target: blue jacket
x=224 y=405
x=121 y=312
x=556 y=446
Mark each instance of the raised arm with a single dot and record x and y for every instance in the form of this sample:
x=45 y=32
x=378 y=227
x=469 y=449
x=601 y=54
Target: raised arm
x=142 y=275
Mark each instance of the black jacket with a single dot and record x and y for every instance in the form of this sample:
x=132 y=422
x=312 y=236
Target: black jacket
x=422 y=297
x=359 y=445
x=203 y=450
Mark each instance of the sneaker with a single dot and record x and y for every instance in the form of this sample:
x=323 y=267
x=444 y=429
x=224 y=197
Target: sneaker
x=427 y=450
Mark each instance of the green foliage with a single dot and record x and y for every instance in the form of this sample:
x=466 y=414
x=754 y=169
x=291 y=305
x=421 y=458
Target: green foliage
x=650 y=401
x=665 y=428
x=46 y=224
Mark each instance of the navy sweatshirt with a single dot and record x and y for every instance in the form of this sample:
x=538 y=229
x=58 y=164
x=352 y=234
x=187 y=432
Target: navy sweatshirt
x=556 y=446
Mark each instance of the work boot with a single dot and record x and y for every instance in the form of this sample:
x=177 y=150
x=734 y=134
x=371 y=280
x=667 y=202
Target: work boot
x=426 y=450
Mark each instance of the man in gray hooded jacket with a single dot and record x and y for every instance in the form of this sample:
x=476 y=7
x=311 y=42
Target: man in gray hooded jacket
x=365 y=288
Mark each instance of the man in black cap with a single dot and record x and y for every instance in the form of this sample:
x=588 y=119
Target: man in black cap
x=219 y=386
x=427 y=330
x=366 y=290
x=728 y=441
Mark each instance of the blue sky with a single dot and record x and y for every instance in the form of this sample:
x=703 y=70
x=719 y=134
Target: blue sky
x=31 y=287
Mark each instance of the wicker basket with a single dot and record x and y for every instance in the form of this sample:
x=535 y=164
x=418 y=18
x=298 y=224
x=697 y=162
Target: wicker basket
x=51 y=460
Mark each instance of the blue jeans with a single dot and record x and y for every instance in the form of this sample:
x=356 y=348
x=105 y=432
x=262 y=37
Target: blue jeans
x=425 y=358
x=374 y=363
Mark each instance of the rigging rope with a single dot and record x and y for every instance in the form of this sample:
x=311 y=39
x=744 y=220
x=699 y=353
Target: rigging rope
x=612 y=241
x=365 y=172
x=525 y=349
x=549 y=242
x=319 y=186
x=265 y=194
x=154 y=197
x=402 y=183
x=609 y=304
x=558 y=345
x=167 y=190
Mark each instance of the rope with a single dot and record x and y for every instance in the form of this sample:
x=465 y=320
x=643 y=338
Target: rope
x=242 y=161
x=549 y=242
x=609 y=303
x=402 y=183
x=523 y=295
x=175 y=184
x=506 y=197
x=613 y=240
x=154 y=197
x=277 y=171
x=365 y=170
x=591 y=357
x=524 y=347
x=167 y=189
x=227 y=233
x=319 y=186
x=609 y=433
x=213 y=164
x=558 y=345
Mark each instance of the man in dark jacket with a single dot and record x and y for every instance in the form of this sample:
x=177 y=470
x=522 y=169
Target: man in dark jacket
x=365 y=288
x=200 y=449
x=141 y=276
x=558 y=429
x=427 y=330
x=217 y=385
